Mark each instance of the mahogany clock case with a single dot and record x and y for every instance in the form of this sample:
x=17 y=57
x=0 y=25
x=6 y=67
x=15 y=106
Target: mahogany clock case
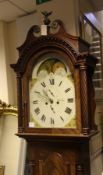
x=54 y=149
x=81 y=64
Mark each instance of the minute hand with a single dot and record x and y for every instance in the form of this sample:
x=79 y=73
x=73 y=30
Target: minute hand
x=42 y=96
x=45 y=93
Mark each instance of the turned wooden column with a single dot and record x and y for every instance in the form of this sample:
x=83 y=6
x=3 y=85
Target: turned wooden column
x=84 y=98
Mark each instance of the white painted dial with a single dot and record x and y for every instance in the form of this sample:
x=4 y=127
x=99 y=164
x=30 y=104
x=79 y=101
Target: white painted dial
x=52 y=101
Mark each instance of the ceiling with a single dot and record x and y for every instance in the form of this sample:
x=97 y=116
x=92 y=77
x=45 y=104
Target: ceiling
x=12 y=9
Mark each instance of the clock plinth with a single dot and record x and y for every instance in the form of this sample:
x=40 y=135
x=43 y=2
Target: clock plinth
x=56 y=102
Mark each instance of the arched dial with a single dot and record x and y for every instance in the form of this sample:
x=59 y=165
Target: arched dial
x=52 y=99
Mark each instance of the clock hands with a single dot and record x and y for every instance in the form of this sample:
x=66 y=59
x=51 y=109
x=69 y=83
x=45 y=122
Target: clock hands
x=40 y=95
x=51 y=92
x=47 y=96
x=51 y=100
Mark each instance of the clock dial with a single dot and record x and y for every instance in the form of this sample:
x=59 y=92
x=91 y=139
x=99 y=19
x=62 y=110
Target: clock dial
x=52 y=96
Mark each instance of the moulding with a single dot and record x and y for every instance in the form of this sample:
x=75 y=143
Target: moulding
x=7 y=109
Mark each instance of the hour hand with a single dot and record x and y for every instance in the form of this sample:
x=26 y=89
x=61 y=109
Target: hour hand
x=51 y=92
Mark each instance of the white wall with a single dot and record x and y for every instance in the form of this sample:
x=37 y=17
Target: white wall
x=12 y=57
x=3 y=61
x=8 y=55
x=9 y=145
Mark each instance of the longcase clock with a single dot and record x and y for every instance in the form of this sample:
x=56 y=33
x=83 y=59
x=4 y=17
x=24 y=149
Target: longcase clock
x=56 y=102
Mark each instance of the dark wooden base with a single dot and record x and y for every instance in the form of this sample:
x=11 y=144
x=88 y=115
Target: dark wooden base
x=58 y=157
